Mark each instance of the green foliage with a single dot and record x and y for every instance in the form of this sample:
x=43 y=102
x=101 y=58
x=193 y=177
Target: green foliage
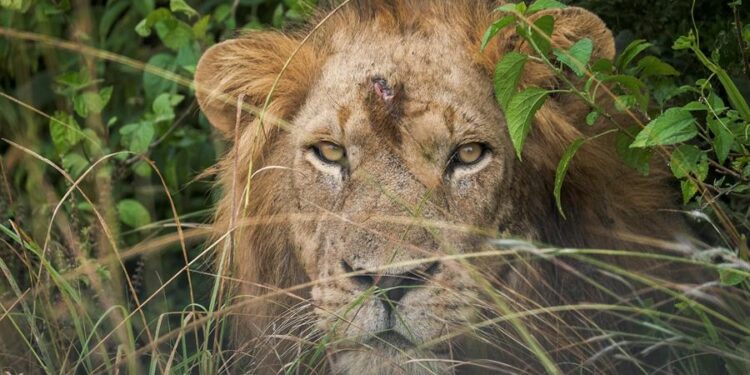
x=704 y=136
x=507 y=76
x=106 y=96
x=577 y=57
x=698 y=123
x=133 y=213
x=496 y=27
x=562 y=170
x=520 y=113
x=675 y=125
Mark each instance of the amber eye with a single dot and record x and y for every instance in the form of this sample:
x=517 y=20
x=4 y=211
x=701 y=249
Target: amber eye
x=329 y=152
x=469 y=153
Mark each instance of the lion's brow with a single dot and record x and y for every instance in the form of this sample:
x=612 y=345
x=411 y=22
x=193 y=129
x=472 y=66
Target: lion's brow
x=384 y=105
x=343 y=114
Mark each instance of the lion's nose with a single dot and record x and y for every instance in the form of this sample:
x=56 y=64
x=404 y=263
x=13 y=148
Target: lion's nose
x=391 y=288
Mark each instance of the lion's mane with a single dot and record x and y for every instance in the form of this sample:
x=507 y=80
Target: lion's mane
x=608 y=205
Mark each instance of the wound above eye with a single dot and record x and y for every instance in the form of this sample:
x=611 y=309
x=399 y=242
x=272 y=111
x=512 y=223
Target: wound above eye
x=382 y=89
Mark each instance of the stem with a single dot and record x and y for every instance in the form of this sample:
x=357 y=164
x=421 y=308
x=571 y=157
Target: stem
x=734 y=94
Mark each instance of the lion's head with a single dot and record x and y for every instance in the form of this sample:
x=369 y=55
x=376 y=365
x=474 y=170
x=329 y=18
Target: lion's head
x=382 y=160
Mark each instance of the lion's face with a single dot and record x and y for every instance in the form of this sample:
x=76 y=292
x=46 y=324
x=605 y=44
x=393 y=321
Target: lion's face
x=395 y=164
x=395 y=159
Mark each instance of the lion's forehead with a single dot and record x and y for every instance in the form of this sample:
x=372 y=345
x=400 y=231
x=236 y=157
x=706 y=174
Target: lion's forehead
x=444 y=94
x=435 y=64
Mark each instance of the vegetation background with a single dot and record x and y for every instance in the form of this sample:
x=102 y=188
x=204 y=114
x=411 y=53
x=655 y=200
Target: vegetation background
x=101 y=89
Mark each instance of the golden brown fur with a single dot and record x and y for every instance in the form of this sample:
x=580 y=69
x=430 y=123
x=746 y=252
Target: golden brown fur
x=606 y=203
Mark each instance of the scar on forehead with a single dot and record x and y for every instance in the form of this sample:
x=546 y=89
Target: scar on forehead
x=449 y=115
x=384 y=103
x=344 y=113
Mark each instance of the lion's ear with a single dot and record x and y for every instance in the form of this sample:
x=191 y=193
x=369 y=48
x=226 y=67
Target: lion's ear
x=253 y=66
x=571 y=25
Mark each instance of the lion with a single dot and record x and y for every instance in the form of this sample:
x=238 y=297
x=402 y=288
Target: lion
x=371 y=167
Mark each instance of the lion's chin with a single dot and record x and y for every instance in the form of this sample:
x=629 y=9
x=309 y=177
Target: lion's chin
x=380 y=359
x=388 y=353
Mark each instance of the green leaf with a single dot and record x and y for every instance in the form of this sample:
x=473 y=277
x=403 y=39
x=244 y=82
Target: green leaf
x=650 y=66
x=142 y=169
x=137 y=137
x=633 y=86
x=112 y=14
x=520 y=113
x=75 y=164
x=180 y=6
x=79 y=105
x=545 y=4
x=742 y=164
x=133 y=214
x=187 y=58
x=730 y=277
x=695 y=106
x=592 y=117
x=74 y=80
x=174 y=33
x=65 y=132
x=153 y=84
x=603 y=66
x=201 y=27
x=624 y=102
x=17 y=5
x=163 y=107
x=562 y=170
x=577 y=57
x=144 y=27
x=673 y=126
x=684 y=42
x=543 y=41
x=630 y=53
x=277 y=20
x=636 y=158
x=495 y=28
x=689 y=189
x=716 y=103
x=510 y=7
x=143 y=6
x=507 y=75
x=685 y=160
x=91 y=144
x=701 y=171
x=665 y=90
x=105 y=95
x=92 y=102
x=723 y=138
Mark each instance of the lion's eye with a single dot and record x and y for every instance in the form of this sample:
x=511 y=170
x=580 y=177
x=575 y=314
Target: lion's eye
x=469 y=153
x=329 y=152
